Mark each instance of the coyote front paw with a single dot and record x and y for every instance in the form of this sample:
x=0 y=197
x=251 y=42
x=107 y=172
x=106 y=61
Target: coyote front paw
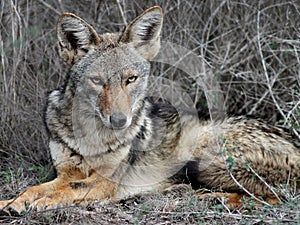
x=52 y=201
x=19 y=205
x=12 y=207
x=22 y=202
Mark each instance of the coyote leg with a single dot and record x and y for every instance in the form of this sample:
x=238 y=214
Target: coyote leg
x=77 y=192
x=25 y=198
x=61 y=192
x=234 y=200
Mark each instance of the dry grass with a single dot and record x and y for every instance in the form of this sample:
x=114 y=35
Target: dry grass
x=173 y=207
x=251 y=47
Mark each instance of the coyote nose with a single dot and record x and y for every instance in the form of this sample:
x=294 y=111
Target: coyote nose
x=118 y=120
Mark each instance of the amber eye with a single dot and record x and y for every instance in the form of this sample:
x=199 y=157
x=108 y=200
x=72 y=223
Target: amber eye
x=97 y=81
x=131 y=79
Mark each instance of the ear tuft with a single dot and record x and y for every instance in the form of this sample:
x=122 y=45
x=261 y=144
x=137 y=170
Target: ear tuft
x=144 y=32
x=75 y=37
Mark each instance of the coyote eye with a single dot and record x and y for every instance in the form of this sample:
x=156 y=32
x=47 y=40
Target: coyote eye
x=97 y=81
x=131 y=79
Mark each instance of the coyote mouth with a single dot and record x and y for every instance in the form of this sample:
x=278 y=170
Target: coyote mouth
x=118 y=128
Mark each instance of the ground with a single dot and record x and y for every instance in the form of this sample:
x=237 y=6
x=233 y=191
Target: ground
x=181 y=205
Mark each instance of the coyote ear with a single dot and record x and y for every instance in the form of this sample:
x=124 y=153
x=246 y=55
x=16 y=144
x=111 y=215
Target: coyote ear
x=144 y=32
x=75 y=37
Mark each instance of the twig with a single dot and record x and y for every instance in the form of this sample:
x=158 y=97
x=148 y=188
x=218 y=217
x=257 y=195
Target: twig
x=248 y=192
x=241 y=186
x=272 y=189
x=49 y=7
x=122 y=12
x=269 y=85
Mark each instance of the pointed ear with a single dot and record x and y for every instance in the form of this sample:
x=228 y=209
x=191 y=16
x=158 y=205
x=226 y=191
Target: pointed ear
x=75 y=37
x=144 y=32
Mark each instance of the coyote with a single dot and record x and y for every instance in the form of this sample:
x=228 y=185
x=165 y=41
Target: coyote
x=108 y=140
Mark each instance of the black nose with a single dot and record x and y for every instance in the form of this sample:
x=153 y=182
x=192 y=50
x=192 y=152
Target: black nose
x=118 y=120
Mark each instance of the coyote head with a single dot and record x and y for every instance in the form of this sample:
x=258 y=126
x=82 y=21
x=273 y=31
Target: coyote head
x=109 y=71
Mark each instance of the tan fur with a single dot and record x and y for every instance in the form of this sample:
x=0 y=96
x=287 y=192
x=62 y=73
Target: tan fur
x=115 y=100
x=155 y=147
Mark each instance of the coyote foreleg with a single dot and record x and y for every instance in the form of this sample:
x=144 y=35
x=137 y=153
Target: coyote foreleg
x=60 y=192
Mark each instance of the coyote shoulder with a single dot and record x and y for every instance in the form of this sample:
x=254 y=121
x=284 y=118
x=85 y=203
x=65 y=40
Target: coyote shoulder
x=108 y=140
